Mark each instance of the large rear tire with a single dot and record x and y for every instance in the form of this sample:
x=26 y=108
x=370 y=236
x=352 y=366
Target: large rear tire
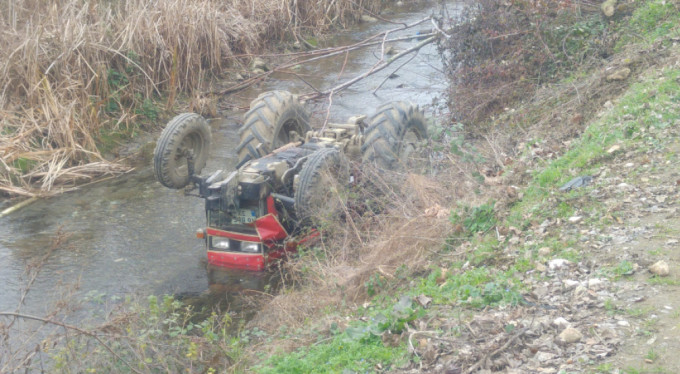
x=187 y=133
x=321 y=185
x=395 y=136
x=268 y=123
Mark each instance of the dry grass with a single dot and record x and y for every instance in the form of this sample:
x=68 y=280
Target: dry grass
x=72 y=69
x=408 y=228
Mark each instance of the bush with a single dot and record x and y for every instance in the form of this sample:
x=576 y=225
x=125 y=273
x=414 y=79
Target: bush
x=499 y=52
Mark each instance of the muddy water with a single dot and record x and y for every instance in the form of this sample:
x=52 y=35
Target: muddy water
x=133 y=236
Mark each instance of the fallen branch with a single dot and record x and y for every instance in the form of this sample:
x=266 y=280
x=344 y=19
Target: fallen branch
x=378 y=67
x=499 y=350
x=307 y=57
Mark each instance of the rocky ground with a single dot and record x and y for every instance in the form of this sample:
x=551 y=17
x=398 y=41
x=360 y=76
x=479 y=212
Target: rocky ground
x=610 y=301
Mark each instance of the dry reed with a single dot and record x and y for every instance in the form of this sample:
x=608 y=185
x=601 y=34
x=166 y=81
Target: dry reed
x=72 y=70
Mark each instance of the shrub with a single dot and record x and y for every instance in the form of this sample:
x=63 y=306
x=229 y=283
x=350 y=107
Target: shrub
x=499 y=52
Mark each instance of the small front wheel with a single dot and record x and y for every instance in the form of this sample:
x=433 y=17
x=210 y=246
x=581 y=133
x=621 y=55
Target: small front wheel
x=188 y=134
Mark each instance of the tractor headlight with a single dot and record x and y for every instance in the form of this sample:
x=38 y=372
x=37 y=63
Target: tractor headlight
x=219 y=243
x=250 y=247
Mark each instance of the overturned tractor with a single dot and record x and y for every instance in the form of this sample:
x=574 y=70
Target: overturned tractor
x=287 y=173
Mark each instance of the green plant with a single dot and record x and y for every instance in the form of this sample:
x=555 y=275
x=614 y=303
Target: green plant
x=374 y=284
x=652 y=355
x=655 y=18
x=358 y=348
x=475 y=288
x=475 y=220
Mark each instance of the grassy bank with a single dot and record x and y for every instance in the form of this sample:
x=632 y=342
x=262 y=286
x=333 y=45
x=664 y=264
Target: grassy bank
x=77 y=76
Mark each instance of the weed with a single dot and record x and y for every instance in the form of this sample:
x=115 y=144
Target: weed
x=665 y=281
x=358 y=348
x=374 y=284
x=623 y=268
x=610 y=307
x=476 y=288
x=652 y=355
x=604 y=368
x=479 y=219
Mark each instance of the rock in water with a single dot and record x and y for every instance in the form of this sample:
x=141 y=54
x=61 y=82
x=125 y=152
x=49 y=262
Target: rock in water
x=608 y=8
x=660 y=268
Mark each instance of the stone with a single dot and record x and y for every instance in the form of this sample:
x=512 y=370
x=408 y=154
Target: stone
x=570 y=283
x=544 y=356
x=618 y=74
x=575 y=219
x=580 y=291
x=558 y=263
x=613 y=148
x=540 y=267
x=608 y=8
x=561 y=322
x=570 y=335
x=544 y=251
x=260 y=64
x=660 y=268
x=424 y=301
x=594 y=283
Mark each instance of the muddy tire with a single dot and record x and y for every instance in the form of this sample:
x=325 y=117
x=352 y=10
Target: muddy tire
x=187 y=132
x=268 y=123
x=395 y=135
x=321 y=185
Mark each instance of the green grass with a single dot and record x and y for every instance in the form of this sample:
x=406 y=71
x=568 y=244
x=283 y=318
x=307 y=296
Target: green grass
x=650 y=22
x=651 y=103
x=623 y=268
x=476 y=288
x=359 y=348
x=343 y=353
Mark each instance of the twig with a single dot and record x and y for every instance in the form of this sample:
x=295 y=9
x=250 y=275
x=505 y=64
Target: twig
x=18 y=206
x=499 y=350
x=71 y=327
x=328 y=110
x=436 y=27
x=378 y=67
x=324 y=53
x=396 y=70
x=298 y=76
